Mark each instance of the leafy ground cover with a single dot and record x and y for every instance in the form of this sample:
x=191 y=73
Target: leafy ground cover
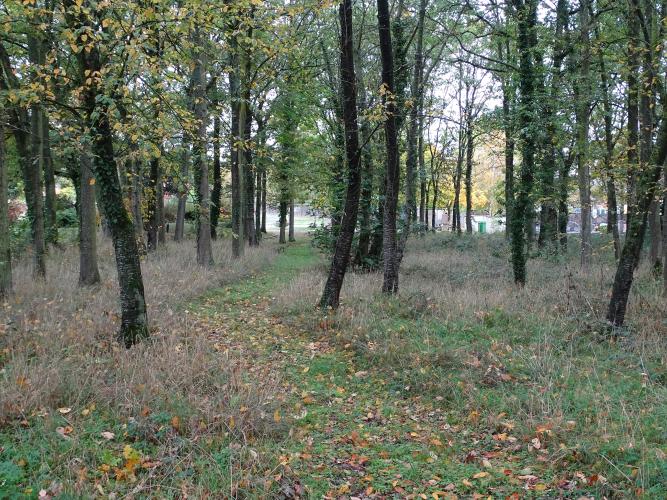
x=435 y=394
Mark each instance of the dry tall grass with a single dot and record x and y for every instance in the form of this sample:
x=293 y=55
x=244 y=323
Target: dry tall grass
x=60 y=350
x=462 y=331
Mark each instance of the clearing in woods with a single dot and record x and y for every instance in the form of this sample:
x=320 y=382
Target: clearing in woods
x=434 y=394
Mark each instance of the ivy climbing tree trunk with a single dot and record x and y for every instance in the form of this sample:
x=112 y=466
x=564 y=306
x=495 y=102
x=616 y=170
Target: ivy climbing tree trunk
x=341 y=257
x=217 y=176
x=134 y=320
x=522 y=210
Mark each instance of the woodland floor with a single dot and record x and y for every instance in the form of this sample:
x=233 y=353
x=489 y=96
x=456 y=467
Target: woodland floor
x=415 y=397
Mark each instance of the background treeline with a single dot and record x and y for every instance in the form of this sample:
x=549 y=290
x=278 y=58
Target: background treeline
x=372 y=112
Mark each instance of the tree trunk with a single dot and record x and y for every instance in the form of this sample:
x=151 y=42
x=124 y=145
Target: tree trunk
x=664 y=232
x=434 y=205
x=389 y=243
x=509 y=156
x=291 y=221
x=199 y=158
x=522 y=210
x=655 y=230
x=51 y=222
x=470 y=149
x=217 y=177
x=134 y=321
x=179 y=230
x=136 y=192
x=237 y=164
x=646 y=182
x=154 y=193
x=612 y=206
x=249 y=214
x=33 y=192
x=282 y=219
x=341 y=256
x=366 y=201
x=5 y=248
x=88 y=271
x=264 y=201
x=582 y=95
x=458 y=173
x=258 y=204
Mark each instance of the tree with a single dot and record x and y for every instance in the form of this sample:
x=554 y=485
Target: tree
x=5 y=249
x=84 y=19
x=88 y=271
x=341 y=256
x=522 y=207
x=392 y=175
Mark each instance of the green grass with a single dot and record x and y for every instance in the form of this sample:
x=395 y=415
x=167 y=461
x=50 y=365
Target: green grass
x=403 y=401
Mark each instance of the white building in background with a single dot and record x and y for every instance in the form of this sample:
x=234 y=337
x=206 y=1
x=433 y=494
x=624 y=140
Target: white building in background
x=481 y=223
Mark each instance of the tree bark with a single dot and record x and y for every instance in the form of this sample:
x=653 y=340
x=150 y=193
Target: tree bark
x=341 y=255
x=134 y=321
x=470 y=149
x=522 y=211
x=237 y=164
x=5 y=248
x=217 y=177
x=179 y=230
x=249 y=213
x=154 y=194
x=291 y=221
x=199 y=158
x=88 y=270
x=264 y=201
x=389 y=243
x=582 y=95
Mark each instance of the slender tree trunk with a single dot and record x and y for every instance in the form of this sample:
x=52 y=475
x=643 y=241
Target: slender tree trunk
x=522 y=209
x=217 y=177
x=5 y=250
x=179 y=230
x=153 y=212
x=33 y=191
x=458 y=173
x=582 y=95
x=237 y=161
x=664 y=232
x=282 y=219
x=136 y=192
x=264 y=201
x=366 y=201
x=134 y=321
x=434 y=205
x=509 y=157
x=249 y=215
x=51 y=222
x=389 y=243
x=470 y=149
x=612 y=206
x=341 y=256
x=199 y=158
x=88 y=271
x=655 y=230
x=258 y=204
x=646 y=182
x=291 y=221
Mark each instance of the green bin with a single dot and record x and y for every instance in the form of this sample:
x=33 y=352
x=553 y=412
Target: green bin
x=481 y=227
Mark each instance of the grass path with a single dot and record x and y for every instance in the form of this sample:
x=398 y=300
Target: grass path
x=352 y=432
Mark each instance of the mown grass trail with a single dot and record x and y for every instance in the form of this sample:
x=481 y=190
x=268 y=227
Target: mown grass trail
x=441 y=418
